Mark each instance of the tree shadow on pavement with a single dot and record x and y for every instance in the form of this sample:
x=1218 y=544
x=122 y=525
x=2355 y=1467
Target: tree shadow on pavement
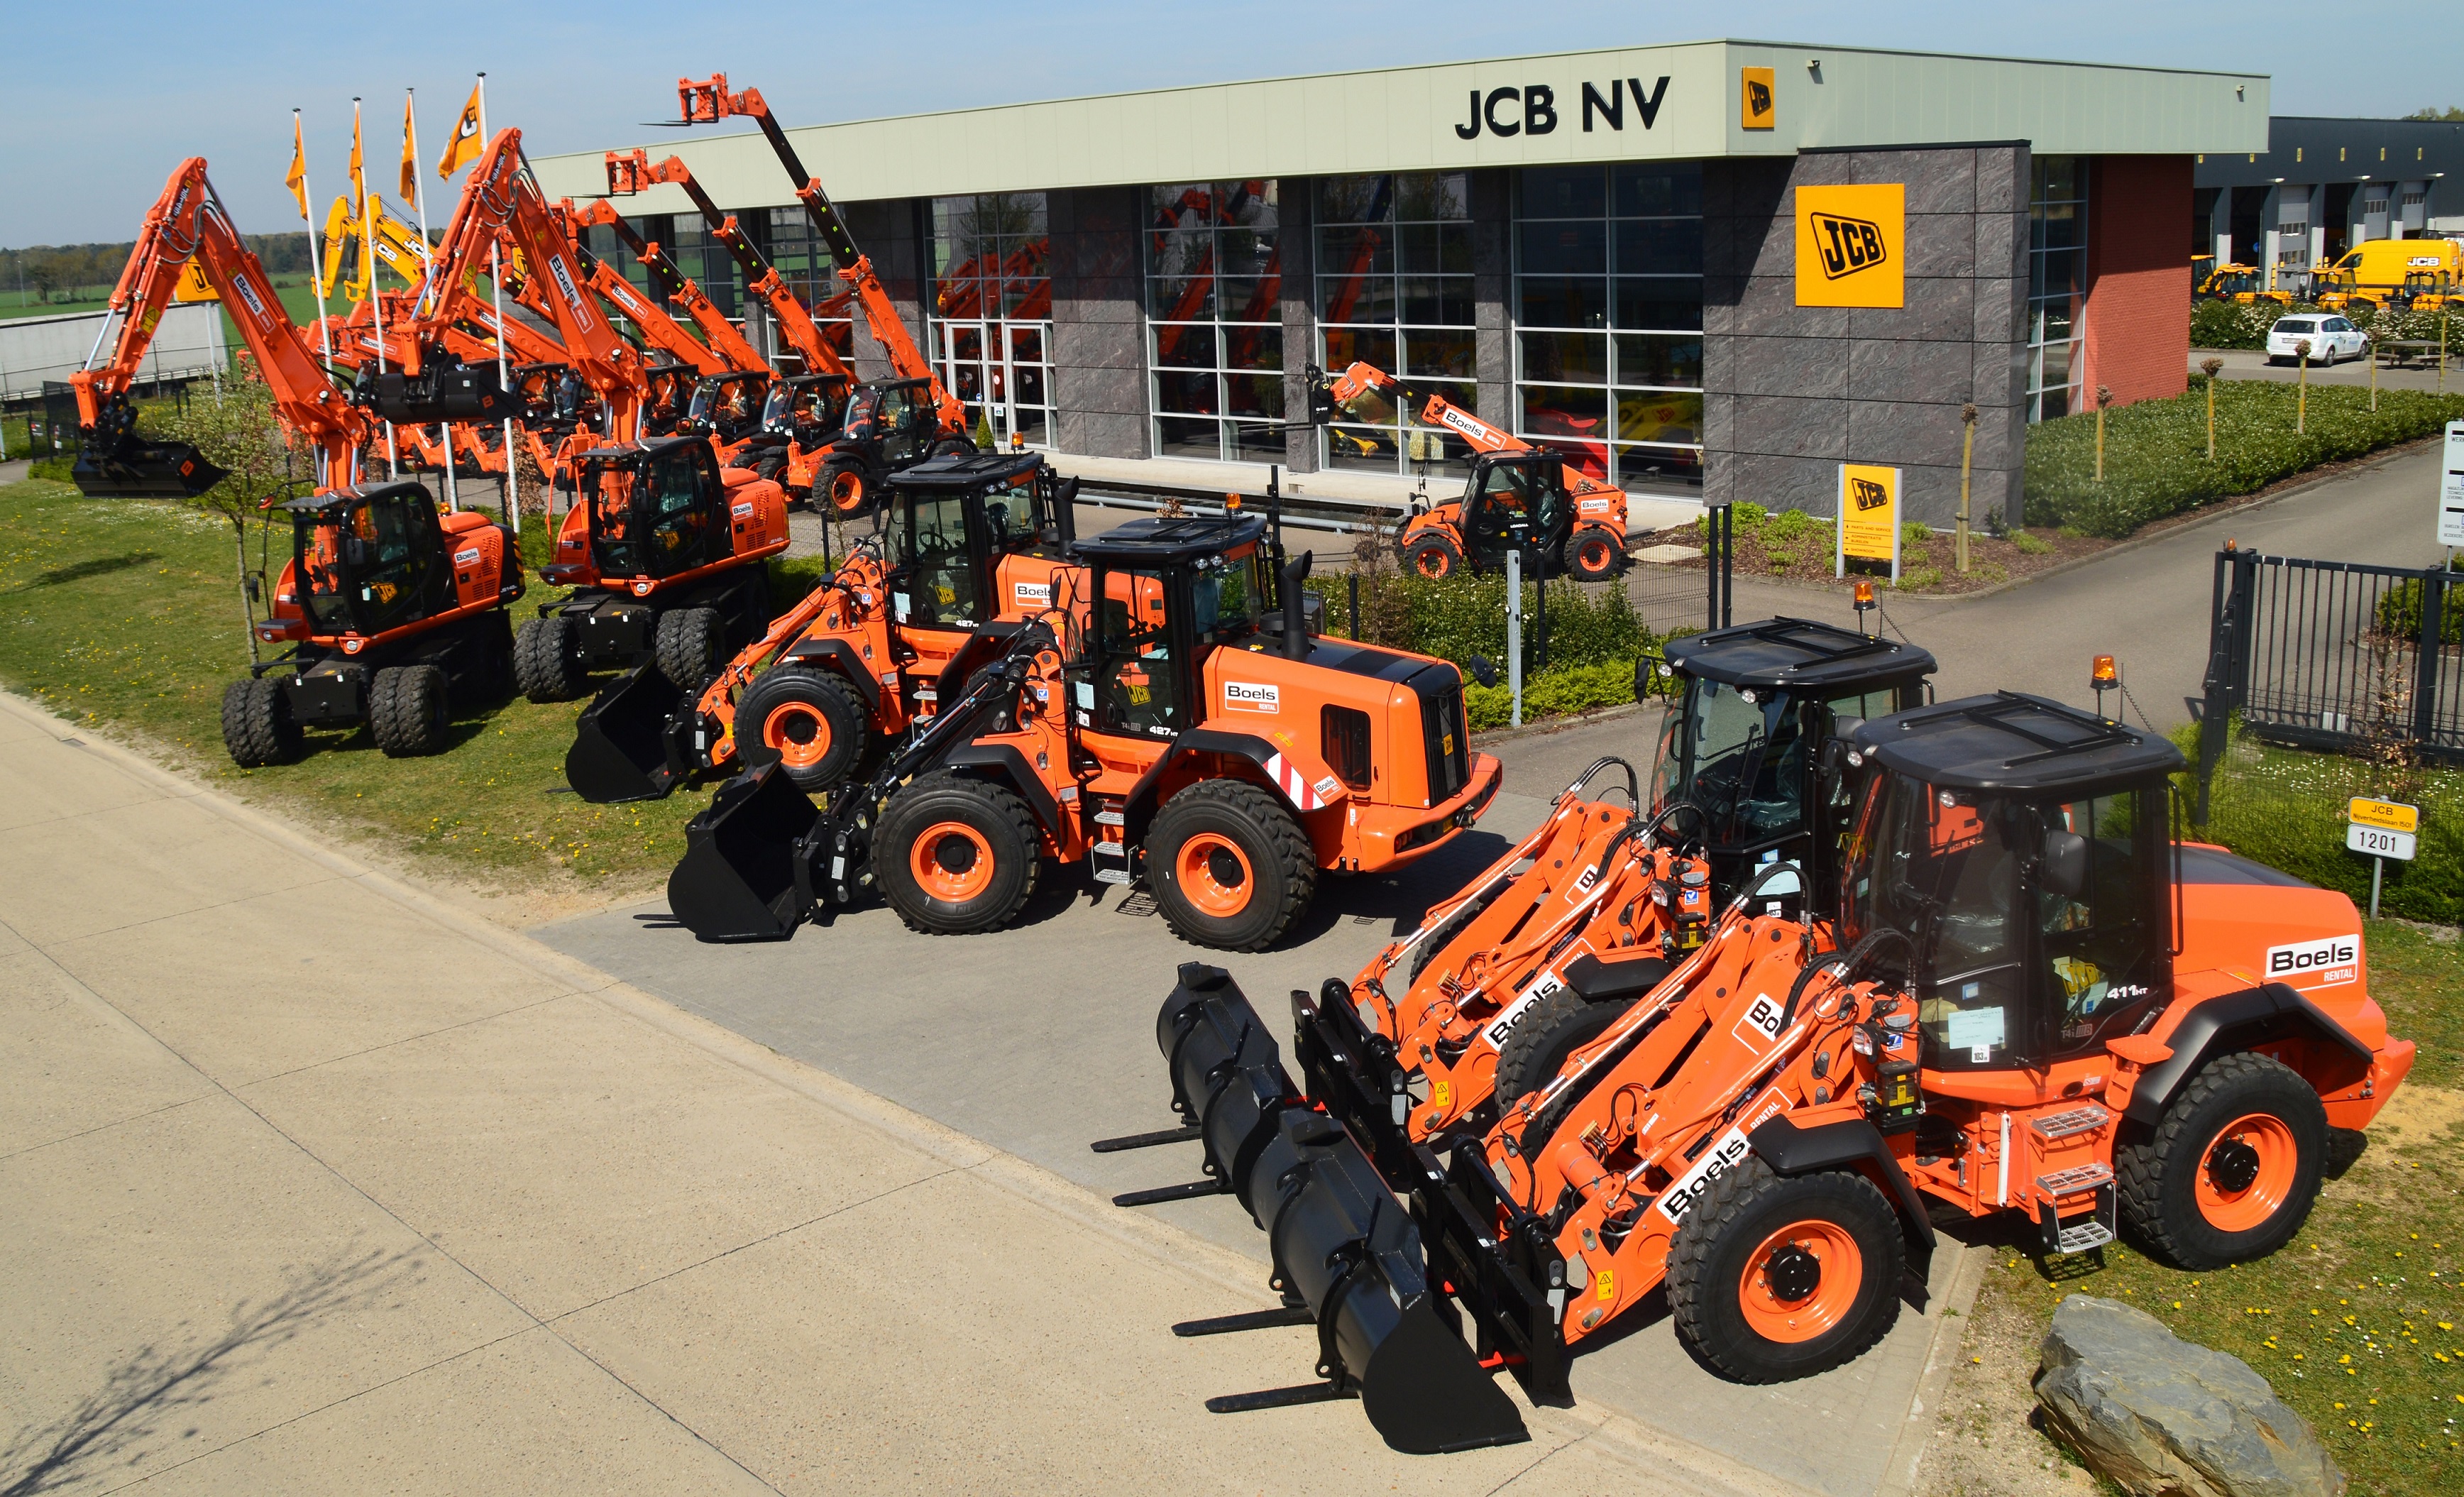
x=154 y=1382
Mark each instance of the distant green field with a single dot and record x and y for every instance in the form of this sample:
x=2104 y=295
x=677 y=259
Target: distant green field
x=298 y=298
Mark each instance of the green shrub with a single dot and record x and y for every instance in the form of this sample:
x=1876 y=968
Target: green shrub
x=2029 y=545
x=2156 y=462
x=1915 y=536
x=1554 y=692
x=2400 y=610
x=2231 y=324
x=55 y=469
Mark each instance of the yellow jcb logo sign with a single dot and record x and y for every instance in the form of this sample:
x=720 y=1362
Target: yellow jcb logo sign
x=1848 y=245
x=1867 y=495
x=1757 y=104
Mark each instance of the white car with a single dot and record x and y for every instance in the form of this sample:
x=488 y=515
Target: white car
x=2332 y=340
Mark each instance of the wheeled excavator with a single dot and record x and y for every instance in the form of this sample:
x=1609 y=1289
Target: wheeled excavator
x=391 y=610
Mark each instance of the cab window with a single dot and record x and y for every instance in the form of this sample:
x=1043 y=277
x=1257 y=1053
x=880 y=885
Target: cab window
x=680 y=521
x=943 y=589
x=2098 y=951
x=1944 y=867
x=1227 y=597
x=1010 y=516
x=1137 y=687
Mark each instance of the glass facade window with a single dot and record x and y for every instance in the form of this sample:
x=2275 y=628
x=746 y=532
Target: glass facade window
x=1608 y=320
x=1394 y=290
x=991 y=322
x=1214 y=321
x=2057 y=284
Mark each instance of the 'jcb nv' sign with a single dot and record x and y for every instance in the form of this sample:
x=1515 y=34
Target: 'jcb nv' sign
x=1847 y=246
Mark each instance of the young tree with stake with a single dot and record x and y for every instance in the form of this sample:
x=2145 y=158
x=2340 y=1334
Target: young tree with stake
x=238 y=434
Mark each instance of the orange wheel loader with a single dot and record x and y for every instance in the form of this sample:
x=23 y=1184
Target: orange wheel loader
x=1181 y=739
x=2029 y=998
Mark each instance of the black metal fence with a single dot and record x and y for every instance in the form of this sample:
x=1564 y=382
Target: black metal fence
x=2334 y=655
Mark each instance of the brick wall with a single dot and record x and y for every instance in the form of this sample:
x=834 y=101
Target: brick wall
x=1791 y=392
x=2138 y=334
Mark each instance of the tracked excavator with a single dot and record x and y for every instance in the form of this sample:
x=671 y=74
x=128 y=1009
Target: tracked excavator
x=2019 y=993
x=391 y=609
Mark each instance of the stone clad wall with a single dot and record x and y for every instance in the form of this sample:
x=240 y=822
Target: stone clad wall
x=1791 y=392
x=1099 y=381
x=886 y=232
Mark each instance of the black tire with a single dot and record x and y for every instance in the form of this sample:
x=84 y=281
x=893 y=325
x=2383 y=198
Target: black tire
x=491 y=678
x=407 y=711
x=547 y=660
x=844 y=489
x=1593 y=553
x=1433 y=556
x=2159 y=1177
x=690 y=647
x=953 y=446
x=1715 y=1247
x=257 y=724
x=791 y=708
x=1553 y=1029
x=1252 y=843
x=986 y=820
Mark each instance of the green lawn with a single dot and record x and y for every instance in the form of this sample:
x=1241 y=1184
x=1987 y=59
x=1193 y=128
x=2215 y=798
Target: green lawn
x=2356 y=1324
x=126 y=614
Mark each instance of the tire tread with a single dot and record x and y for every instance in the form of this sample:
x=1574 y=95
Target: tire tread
x=1288 y=845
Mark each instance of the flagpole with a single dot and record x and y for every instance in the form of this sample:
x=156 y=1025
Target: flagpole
x=419 y=207
x=496 y=283
x=368 y=250
x=315 y=245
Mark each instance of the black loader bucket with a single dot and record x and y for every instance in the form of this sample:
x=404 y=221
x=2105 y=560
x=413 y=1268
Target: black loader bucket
x=620 y=745
x=738 y=881
x=1345 y=1248
x=137 y=470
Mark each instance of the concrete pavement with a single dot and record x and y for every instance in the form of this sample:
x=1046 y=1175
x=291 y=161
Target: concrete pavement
x=316 y=1183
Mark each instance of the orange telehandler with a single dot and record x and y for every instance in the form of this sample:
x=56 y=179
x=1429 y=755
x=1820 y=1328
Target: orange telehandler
x=888 y=423
x=1181 y=738
x=2027 y=997
x=1520 y=497
x=390 y=608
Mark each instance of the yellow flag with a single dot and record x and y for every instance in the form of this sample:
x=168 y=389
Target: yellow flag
x=463 y=147
x=409 y=160
x=297 y=179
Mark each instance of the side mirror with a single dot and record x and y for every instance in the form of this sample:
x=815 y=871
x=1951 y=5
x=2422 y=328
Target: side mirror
x=1839 y=754
x=1484 y=669
x=2065 y=864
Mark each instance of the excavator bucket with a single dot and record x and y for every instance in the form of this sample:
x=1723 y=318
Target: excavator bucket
x=137 y=470
x=621 y=748
x=466 y=392
x=1344 y=1246
x=738 y=879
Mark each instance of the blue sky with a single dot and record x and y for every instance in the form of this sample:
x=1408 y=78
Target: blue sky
x=98 y=112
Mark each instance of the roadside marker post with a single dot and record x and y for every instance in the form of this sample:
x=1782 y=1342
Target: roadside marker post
x=2450 y=488
x=2380 y=831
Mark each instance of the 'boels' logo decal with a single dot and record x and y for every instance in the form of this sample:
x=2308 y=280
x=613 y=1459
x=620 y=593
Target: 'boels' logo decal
x=1251 y=696
x=2320 y=964
x=1848 y=245
x=1867 y=495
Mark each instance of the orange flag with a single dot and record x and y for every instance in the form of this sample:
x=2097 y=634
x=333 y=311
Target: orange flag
x=410 y=161
x=463 y=147
x=297 y=178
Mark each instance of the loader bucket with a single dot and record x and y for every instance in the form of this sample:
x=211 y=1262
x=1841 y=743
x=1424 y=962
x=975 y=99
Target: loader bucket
x=737 y=880
x=620 y=746
x=1349 y=1248
x=1227 y=1076
x=136 y=469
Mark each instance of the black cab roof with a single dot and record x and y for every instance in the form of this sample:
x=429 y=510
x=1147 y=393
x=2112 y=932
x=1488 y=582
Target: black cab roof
x=344 y=498
x=2012 y=741
x=1163 y=540
x=1797 y=654
x=647 y=447
x=963 y=473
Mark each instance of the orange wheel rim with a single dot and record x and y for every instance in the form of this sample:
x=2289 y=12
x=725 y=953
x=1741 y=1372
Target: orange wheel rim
x=952 y=861
x=801 y=735
x=846 y=490
x=1801 y=1281
x=1433 y=563
x=2246 y=1173
x=1215 y=874
x=1595 y=556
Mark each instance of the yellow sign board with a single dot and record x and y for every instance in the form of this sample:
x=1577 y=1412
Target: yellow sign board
x=1869 y=517
x=193 y=285
x=2388 y=815
x=1757 y=100
x=1852 y=246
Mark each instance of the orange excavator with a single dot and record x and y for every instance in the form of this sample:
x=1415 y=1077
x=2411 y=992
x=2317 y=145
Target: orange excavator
x=391 y=609
x=2022 y=997
x=889 y=423
x=663 y=549
x=1520 y=497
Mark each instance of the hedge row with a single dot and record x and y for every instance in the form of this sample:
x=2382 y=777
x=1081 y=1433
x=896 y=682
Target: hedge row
x=2239 y=325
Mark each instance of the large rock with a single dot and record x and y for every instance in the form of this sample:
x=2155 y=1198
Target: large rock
x=2169 y=1418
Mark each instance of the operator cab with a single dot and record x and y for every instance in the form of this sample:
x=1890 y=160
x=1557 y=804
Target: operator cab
x=1744 y=741
x=807 y=409
x=656 y=508
x=2023 y=849
x=1515 y=501
x=368 y=559
x=1168 y=590
x=728 y=406
x=952 y=519
x=900 y=413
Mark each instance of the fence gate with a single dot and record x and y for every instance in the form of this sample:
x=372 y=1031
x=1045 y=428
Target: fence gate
x=2334 y=655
